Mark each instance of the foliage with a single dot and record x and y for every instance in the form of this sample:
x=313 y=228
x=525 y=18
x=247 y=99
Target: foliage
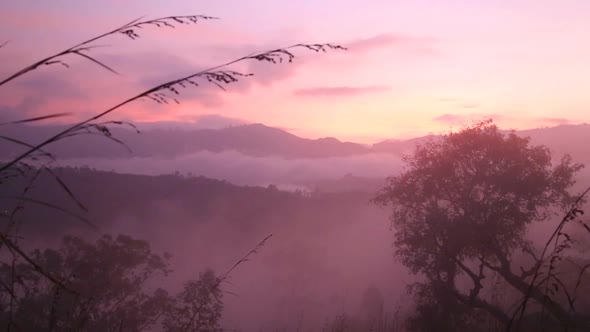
x=460 y=210
x=198 y=307
x=107 y=289
x=104 y=287
x=438 y=310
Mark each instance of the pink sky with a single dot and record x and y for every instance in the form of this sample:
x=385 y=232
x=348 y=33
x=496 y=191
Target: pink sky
x=412 y=67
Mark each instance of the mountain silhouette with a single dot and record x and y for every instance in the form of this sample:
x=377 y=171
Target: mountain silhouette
x=250 y=139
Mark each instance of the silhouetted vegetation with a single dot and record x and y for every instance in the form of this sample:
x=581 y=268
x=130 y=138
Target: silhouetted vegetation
x=460 y=211
x=104 y=286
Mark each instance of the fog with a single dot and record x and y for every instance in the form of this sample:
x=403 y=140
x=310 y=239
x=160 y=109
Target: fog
x=315 y=267
x=242 y=169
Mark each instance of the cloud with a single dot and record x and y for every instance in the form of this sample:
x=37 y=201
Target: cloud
x=217 y=121
x=152 y=69
x=191 y=122
x=420 y=45
x=264 y=73
x=35 y=20
x=555 y=121
x=454 y=119
x=506 y=119
x=166 y=67
x=383 y=40
x=338 y=91
x=42 y=85
x=242 y=169
x=450 y=118
x=87 y=88
x=41 y=93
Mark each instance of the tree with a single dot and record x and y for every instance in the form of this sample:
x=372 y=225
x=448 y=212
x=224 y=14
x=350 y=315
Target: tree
x=198 y=307
x=105 y=288
x=460 y=210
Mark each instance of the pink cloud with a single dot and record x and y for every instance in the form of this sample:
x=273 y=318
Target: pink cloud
x=414 y=44
x=450 y=118
x=338 y=91
x=85 y=87
x=31 y=20
x=556 y=121
x=458 y=119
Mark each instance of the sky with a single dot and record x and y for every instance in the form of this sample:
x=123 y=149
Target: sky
x=411 y=68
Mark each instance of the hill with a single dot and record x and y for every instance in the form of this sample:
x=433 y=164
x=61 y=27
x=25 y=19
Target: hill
x=255 y=140
x=327 y=247
x=252 y=139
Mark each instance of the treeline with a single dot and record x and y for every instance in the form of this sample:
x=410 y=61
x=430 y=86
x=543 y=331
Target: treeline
x=107 y=195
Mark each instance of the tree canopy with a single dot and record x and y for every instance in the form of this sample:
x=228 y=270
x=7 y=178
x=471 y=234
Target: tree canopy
x=460 y=209
x=105 y=286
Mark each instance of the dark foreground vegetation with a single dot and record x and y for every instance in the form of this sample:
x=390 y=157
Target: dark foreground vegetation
x=103 y=286
x=460 y=213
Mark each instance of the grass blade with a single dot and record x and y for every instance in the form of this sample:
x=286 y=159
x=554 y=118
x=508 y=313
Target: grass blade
x=38 y=118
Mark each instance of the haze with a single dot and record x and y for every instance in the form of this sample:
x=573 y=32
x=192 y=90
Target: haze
x=301 y=151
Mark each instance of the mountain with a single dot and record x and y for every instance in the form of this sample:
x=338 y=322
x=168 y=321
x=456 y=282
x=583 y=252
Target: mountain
x=252 y=139
x=570 y=139
x=399 y=147
x=563 y=139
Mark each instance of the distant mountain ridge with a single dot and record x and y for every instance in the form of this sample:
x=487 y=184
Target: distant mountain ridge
x=254 y=140
x=250 y=139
